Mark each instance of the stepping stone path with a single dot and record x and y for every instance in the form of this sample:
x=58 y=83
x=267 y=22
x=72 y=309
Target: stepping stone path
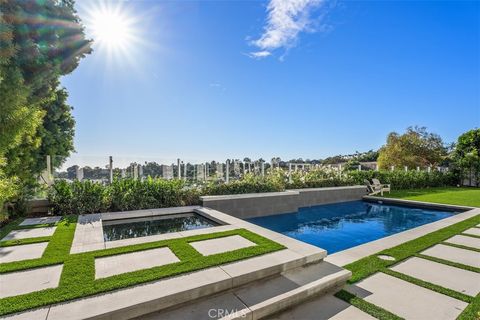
x=407 y=300
x=460 y=280
x=21 y=282
x=128 y=262
x=30 y=233
x=220 y=245
x=465 y=241
x=22 y=252
x=415 y=302
x=458 y=255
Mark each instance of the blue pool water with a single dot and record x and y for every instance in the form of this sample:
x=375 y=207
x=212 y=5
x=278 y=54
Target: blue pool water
x=340 y=226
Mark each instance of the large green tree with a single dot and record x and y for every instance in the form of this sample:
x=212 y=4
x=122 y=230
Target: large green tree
x=416 y=147
x=39 y=42
x=466 y=156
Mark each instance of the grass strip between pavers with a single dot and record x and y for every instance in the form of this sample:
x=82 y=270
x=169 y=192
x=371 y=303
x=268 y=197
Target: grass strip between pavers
x=366 y=306
x=370 y=265
x=18 y=242
x=78 y=276
x=461 y=246
x=470 y=235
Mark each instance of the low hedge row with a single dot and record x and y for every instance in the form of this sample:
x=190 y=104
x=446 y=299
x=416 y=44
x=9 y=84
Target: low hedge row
x=406 y=179
x=127 y=194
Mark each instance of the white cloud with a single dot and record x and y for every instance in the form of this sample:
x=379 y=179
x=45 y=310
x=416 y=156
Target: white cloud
x=285 y=20
x=259 y=54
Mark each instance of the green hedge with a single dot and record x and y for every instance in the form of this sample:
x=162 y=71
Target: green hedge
x=406 y=179
x=127 y=194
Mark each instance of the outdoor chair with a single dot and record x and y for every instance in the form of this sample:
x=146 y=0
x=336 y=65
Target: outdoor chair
x=381 y=187
x=372 y=190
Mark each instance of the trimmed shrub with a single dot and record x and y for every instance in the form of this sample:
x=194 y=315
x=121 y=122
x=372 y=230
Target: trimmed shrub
x=151 y=193
x=78 y=197
x=406 y=179
x=249 y=184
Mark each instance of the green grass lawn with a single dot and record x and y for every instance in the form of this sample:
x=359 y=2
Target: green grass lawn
x=451 y=195
x=78 y=275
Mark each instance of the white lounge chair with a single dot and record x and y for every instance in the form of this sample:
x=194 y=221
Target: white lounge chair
x=380 y=186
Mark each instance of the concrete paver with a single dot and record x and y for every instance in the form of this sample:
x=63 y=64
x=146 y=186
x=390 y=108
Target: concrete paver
x=326 y=307
x=22 y=252
x=407 y=300
x=465 y=241
x=21 y=282
x=220 y=245
x=128 y=262
x=463 y=256
x=460 y=280
x=472 y=231
x=42 y=220
x=30 y=233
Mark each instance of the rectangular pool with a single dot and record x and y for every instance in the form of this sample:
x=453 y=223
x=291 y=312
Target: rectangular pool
x=344 y=225
x=147 y=226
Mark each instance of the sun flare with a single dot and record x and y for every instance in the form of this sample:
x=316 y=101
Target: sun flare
x=114 y=30
x=110 y=28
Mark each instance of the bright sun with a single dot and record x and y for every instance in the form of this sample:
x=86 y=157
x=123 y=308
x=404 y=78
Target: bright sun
x=109 y=27
x=113 y=29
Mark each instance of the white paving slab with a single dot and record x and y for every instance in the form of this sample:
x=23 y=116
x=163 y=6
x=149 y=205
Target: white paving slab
x=465 y=241
x=460 y=280
x=463 y=256
x=42 y=220
x=472 y=231
x=219 y=245
x=30 y=233
x=16 y=283
x=37 y=314
x=407 y=300
x=128 y=262
x=22 y=252
x=326 y=307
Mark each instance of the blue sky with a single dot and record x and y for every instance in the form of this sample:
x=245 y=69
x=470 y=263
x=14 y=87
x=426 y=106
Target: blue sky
x=188 y=84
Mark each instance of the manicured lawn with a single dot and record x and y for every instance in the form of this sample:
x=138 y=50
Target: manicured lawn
x=458 y=196
x=370 y=265
x=78 y=275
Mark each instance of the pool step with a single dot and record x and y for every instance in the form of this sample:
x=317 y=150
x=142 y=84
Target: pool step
x=262 y=298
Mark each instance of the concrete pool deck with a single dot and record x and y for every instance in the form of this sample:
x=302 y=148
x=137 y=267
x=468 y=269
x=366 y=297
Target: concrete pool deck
x=157 y=295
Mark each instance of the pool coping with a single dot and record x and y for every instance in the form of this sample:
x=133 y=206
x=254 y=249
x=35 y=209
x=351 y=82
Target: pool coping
x=350 y=255
x=418 y=204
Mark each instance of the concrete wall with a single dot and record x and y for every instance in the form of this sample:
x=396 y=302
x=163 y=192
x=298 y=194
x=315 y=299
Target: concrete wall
x=317 y=196
x=254 y=204
x=263 y=204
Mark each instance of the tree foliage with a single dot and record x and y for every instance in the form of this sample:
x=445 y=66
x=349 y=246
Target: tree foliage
x=416 y=147
x=466 y=154
x=39 y=42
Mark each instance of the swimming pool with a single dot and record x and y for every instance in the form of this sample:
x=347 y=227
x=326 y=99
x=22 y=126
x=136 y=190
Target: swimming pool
x=340 y=226
x=147 y=226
